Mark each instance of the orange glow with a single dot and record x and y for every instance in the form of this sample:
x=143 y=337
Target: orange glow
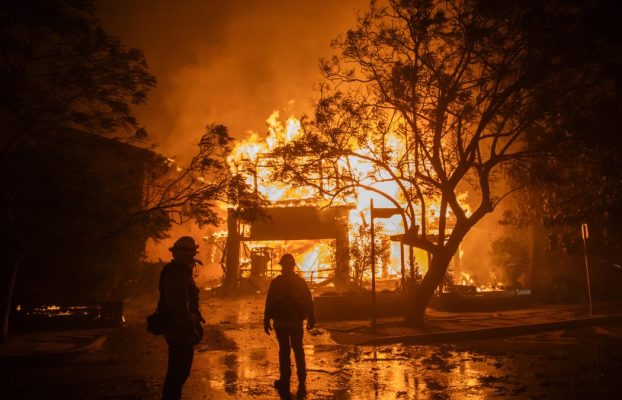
x=249 y=158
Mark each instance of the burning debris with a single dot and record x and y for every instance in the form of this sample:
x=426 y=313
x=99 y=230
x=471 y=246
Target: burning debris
x=28 y=317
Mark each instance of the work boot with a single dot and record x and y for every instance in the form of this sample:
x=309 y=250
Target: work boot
x=302 y=388
x=281 y=385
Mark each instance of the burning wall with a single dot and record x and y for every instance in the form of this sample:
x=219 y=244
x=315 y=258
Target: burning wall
x=293 y=223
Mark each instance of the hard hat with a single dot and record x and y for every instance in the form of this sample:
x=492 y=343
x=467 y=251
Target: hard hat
x=287 y=260
x=185 y=243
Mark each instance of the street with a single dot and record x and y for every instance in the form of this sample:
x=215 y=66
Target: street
x=236 y=360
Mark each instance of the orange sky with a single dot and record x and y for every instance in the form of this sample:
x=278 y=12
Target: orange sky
x=230 y=62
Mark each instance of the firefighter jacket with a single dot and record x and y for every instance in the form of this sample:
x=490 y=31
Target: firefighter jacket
x=289 y=301
x=179 y=304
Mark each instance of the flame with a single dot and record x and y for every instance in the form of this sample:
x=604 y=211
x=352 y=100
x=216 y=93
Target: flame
x=222 y=234
x=246 y=151
x=249 y=155
x=466 y=279
x=278 y=134
x=312 y=257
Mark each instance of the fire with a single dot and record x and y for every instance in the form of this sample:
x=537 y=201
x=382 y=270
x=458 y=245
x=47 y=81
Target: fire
x=250 y=155
x=249 y=158
x=277 y=134
x=246 y=151
x=466 y=279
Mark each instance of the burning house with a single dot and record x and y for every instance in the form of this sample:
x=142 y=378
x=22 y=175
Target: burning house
x=291 y=223
x=321 y=236
x=330 y=239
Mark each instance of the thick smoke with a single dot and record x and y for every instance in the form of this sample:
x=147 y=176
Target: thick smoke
x=230 y=62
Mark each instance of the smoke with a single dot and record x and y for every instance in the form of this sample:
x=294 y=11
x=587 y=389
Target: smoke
x=228 y=62
x=235 y=62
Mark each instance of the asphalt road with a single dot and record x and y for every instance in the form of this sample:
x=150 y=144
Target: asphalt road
x=237 y=360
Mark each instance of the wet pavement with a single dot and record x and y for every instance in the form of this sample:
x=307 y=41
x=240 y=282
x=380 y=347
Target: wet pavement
x=236 y=360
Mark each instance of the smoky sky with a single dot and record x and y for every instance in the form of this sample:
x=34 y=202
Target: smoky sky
x=229 y=62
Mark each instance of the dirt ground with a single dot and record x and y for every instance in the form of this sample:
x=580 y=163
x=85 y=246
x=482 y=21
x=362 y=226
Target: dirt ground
x=236 y=360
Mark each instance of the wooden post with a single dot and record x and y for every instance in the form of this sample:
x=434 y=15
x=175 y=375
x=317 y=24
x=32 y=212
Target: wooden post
x=402 y=261
x=232 y=250
x=373 y=267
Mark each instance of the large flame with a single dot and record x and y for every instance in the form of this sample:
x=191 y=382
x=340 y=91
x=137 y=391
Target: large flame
x=249 y=156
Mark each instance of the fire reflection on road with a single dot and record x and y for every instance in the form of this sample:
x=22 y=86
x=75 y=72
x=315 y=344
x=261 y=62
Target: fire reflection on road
x=236 y=360
x=339 y=372
x=405 y=372
x=248 y=366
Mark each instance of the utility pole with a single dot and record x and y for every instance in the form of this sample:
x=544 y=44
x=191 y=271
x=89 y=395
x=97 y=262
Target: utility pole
x=403 y=268
x=373 y=267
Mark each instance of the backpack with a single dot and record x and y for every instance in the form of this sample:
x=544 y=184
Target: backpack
x=155 y=323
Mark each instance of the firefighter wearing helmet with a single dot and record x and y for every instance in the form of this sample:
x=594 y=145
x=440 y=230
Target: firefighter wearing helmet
x=288 y=304
x=179 y=305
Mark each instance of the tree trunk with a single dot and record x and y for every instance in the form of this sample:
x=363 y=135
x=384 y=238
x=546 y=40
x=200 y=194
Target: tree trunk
x=424 y=292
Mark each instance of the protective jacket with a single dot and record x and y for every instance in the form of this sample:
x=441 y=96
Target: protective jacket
x=289 y=300
x=179 y=304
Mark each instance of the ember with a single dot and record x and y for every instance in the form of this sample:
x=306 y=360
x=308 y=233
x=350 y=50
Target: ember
x=67 y=316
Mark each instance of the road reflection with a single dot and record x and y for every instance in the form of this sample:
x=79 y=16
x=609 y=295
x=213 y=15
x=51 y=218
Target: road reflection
x=243 y=362
x=230 y=361
x=416 y=372
x=236 y=360
x=338 y=372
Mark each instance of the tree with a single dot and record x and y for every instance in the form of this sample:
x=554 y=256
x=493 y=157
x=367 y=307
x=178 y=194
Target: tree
x=360 y=252
x=176 y=194
x=578 y=182
x=510 y=257
x=437 y=98
x=58 y=69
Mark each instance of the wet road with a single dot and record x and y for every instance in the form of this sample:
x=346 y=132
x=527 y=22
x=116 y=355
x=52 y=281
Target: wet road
x=237 y=360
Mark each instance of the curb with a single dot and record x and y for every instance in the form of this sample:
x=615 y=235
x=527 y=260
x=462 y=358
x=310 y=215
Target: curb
x=93 y=345
x=481 y=333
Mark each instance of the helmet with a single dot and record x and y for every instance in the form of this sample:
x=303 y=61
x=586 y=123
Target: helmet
x=287 y=261
x=185 y=243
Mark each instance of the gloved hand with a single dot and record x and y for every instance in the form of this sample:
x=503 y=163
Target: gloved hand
x=266 y=326
x=310 y=323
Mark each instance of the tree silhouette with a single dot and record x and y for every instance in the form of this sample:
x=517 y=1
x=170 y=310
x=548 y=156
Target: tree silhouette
x=360 y=252
x=63 y=76
x=578 y=182
x=177 y=194
x=437 y=98
x=58 y=67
